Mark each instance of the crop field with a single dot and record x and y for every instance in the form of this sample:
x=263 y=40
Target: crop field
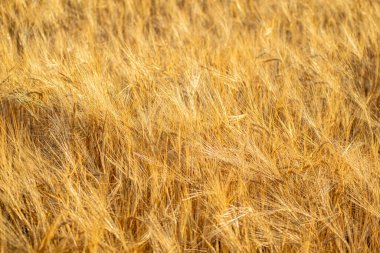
x=189 y=126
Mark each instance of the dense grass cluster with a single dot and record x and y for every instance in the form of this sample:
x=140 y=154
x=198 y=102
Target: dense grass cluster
x=189 y=126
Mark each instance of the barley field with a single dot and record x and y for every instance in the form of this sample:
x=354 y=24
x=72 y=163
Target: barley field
x=189 y=126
